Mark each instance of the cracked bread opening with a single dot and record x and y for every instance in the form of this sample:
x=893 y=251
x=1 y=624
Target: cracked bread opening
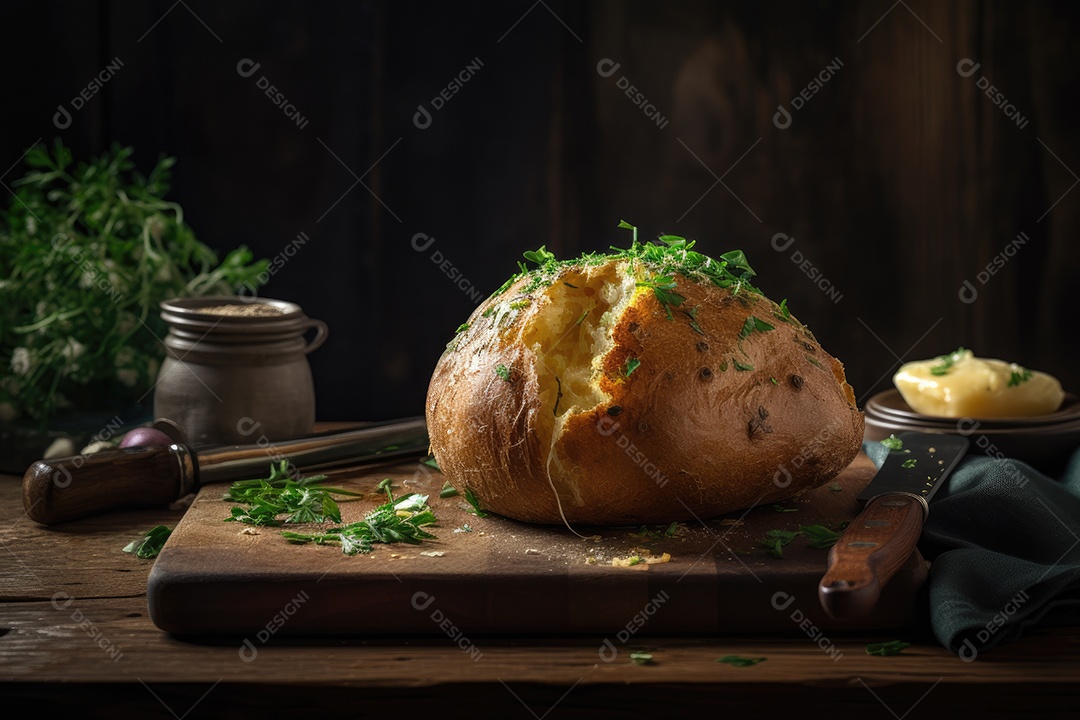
x=569 y=338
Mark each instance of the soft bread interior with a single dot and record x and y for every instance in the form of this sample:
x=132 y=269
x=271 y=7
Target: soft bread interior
x=569 y=337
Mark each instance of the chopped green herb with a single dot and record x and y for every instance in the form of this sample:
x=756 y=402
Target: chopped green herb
x=774 y=381
x=573 y=287
x=641 y=658
x=835 y=487
x=663 y=287
x=400 y=520
x=470 y=497
x=892 y=647
x=464 y=528
x=782 y=509
x=386 y=485
x=582 y=318
x=945 y=362
x=753 y=324
x=490 y=311
x=1020 y=375
x=814 y=361
x=149 y=545
x=909 y=463
x=432 y=463
x=743 y=367
x=303 y=501
x=693 y=320
x=819 y=536
x=636 y=560
x=503 y=372
x=519 y=304
x=739 y=661
x=672 y=530
x=723 y=366
x=541 y=257
x=462 y=328
x=784 y=313
x=893 y=443
x=448 y=490
x=671 y=255
x=775 y=540
x=632 y=364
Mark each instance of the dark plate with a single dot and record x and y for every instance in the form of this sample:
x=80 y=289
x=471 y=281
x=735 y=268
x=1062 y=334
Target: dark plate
x=1045 y=442
x=891 y=404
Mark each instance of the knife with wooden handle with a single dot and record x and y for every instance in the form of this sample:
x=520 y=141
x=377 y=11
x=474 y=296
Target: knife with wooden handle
x=74 y=487
x=880 y=540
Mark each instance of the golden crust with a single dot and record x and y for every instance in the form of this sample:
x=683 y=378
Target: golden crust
x=685 y=435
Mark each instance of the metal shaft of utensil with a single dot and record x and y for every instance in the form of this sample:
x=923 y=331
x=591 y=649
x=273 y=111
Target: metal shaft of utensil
x=318 y=452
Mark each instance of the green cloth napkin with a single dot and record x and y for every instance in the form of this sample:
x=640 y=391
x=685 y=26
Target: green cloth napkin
x=1004 y=543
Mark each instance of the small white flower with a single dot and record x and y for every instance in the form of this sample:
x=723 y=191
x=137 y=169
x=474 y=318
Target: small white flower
x=127 y=377
x=20 y=361
x=73 y=350
x=124 y=357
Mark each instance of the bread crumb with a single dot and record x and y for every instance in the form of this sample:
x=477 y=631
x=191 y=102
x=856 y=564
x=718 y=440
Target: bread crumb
x=248 y=531
x=532 y=551
x=640 y=560
x=432 y=553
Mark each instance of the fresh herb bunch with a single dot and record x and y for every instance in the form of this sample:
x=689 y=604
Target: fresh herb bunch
x=395 y=521
x=303 y=500
x=87 y=251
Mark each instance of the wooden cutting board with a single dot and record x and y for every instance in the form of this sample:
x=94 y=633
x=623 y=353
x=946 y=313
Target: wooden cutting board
x=506 y=577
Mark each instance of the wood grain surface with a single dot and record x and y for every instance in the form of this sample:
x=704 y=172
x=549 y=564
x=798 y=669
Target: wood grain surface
x=508 y=577
x=52 y=655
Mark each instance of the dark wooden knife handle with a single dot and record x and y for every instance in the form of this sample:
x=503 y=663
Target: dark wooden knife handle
x=876 y=544
x=74 y=487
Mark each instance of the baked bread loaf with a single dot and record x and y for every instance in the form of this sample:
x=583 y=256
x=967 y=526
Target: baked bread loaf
x=646 y=385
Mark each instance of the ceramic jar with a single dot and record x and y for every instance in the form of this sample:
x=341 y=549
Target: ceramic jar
x=236 y=370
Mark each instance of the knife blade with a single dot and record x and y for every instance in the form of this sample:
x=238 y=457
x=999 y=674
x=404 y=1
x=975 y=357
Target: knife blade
x=82 y=485
x=880 y=540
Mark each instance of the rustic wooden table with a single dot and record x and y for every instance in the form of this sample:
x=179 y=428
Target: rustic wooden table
x=74 y=634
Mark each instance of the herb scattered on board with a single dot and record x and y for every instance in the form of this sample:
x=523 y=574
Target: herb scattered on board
x=503 y=372
x=817 y=536
x=782 y=509
x=893 y=443
x=835 y=487
x=631 y=365
x=892 y=647
x=448 y=490
x=470 y=497
x=303 y=501
x=909 y=463
x=945 y=362
x=150 y=544
x=462 y=328
x=639 y=657
x=739 y=660
x=431 y=462
x=1019 y=375
x=400 y=520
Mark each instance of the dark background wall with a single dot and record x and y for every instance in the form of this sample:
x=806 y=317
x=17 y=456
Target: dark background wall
x=899 y=179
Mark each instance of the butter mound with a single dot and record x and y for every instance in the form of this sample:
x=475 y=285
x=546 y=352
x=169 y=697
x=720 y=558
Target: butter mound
x=961 y=385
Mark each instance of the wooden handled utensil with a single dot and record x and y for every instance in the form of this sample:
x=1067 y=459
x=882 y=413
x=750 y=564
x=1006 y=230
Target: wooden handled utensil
x=880 y=540
x=74 y=487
